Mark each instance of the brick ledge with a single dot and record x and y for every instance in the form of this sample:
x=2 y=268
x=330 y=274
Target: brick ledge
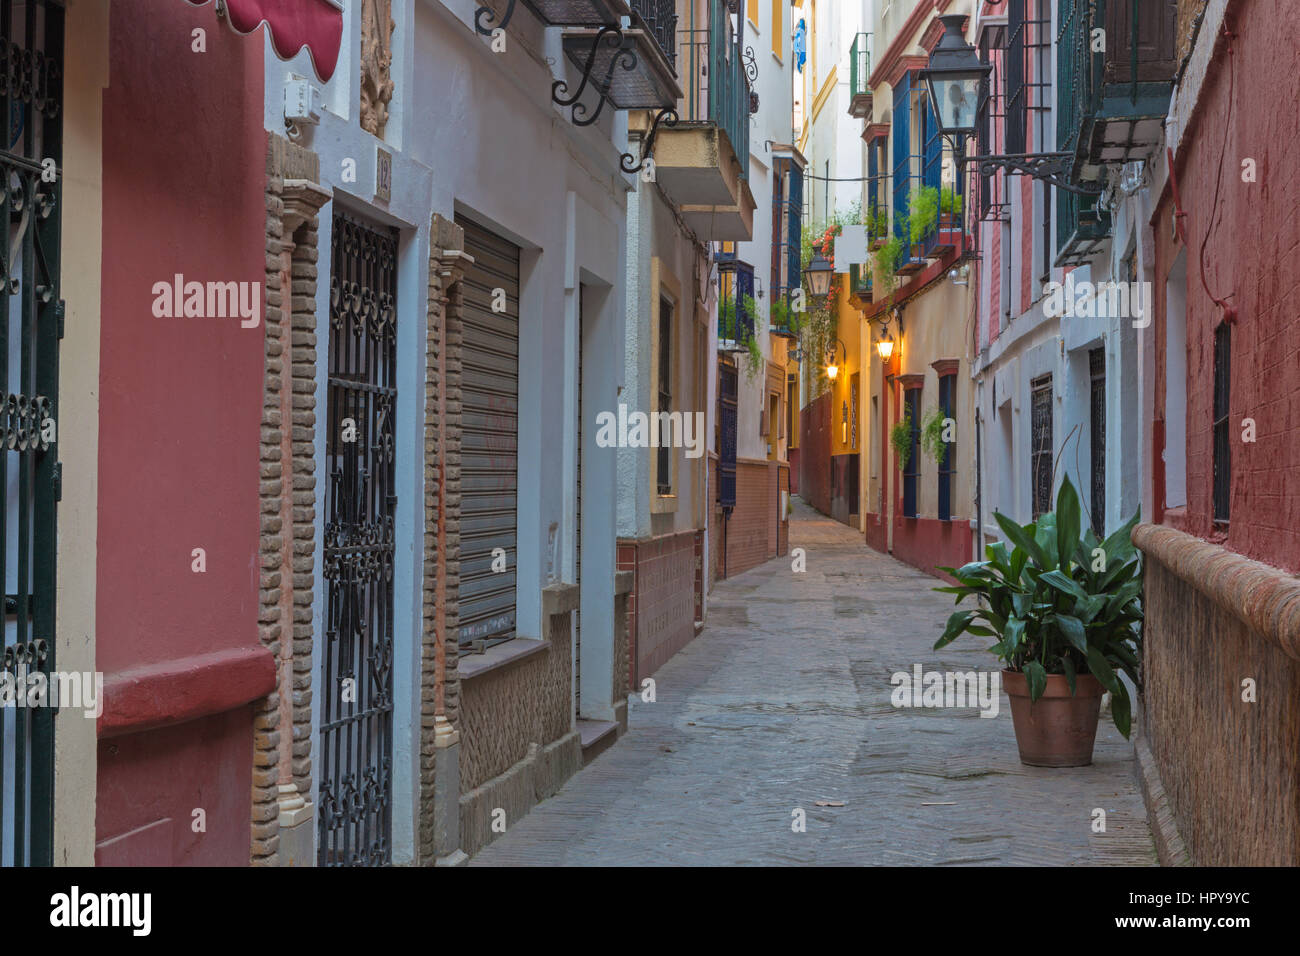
x=1265 y=598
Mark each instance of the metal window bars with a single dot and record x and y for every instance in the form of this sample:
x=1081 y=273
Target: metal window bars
x=31 y=96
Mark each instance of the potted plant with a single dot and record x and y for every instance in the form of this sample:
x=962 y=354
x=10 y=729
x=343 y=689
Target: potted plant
x=878 y=226
x=950 y=206
x=731 y=329
x=1066 y=612
x=923 y=215
x=781 y=318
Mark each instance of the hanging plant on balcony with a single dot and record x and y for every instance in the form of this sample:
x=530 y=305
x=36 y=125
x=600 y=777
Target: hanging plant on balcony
x=900 y=437
x=1066 y=612
x=754 y=358
x=818 y=325
x=886 y=260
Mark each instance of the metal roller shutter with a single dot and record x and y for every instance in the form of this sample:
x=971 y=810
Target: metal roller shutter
x=490 y=426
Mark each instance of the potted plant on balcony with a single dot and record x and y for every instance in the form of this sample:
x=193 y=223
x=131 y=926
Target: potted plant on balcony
x=878 y=227
x=730 y=336
x=950 y=207
x=923 y=216
x=782 y=318
x=1066 y=612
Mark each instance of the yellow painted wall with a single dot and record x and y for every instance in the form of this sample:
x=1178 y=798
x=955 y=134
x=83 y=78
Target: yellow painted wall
x=935 y=327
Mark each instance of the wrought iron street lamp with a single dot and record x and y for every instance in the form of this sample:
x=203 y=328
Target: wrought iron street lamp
x=832 y=369
x=955 y=79
x=819 y=273
x=885 y=344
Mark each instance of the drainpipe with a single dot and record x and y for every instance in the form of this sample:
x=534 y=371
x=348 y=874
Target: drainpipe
x=979 y=486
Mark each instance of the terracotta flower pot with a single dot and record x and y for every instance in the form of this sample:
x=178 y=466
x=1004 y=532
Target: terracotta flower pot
x=1058 y=730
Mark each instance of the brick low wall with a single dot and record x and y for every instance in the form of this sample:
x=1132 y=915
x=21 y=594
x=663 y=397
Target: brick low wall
x=751 y=534
x=664 y=601
x=1229 y=770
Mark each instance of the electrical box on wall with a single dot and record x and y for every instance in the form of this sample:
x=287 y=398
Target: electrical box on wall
x=300 y=101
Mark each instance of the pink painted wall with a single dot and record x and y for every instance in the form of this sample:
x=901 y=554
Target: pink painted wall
x=180 y=409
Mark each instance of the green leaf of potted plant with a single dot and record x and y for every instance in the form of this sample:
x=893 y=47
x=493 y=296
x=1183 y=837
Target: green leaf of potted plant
x=900 y=437
x=1067 y=614
x=932 y=429
x=950 y=206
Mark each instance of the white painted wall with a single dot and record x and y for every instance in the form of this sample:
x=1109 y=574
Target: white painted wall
x=475 y=132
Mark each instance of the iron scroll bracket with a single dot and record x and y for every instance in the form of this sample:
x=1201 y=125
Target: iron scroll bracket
x=624 y=57
x=665 y=117
x=484 y=15
x=1049 y=167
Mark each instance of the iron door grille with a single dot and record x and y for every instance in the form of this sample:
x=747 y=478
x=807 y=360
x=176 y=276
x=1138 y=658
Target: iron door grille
x=360 y=502
x=948 y=459
x=728 y=408
x=1041 y=447
x=912 y=470
x=664 y=454
x=490 y=417
x=31 y=96
x=1097 y=439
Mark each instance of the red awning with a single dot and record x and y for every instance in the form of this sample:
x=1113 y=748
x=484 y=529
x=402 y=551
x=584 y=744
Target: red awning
x=292 y=25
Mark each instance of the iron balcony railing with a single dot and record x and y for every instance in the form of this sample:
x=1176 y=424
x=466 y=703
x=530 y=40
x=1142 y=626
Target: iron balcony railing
x=860 y=281
x=917 y=165
x=659 y=18
x=736 y=306
x=1078 y=69
x=787 y=226
x=711 y=71
x=860 y=65
x=1125 y=85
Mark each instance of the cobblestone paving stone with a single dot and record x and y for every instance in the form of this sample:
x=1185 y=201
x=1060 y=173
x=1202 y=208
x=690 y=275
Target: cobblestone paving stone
x=784 y=700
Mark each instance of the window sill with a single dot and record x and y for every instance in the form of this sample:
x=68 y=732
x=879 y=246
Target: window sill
x=502 y=655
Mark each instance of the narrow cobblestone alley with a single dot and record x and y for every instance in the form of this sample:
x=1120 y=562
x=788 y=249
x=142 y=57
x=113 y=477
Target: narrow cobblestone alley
x=784 y=701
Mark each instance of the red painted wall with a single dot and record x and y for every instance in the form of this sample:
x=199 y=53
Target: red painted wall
x=928 y=543
x=815 y=453
x=180 y=411
x=1259 y=122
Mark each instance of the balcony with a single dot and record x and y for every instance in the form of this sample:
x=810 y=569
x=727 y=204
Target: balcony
x=1111 y=104
x=577 y=13
x=859 y=72
x=736 y=308
x=860 y=284
x=787 y=267
x=1082 y=230
x=702 y=161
